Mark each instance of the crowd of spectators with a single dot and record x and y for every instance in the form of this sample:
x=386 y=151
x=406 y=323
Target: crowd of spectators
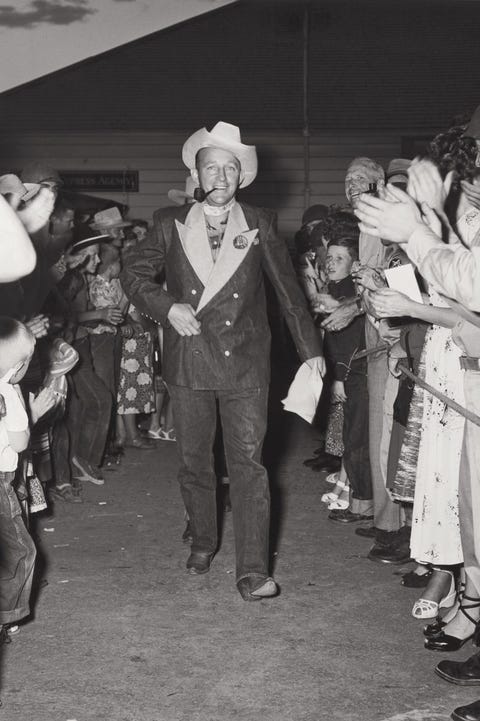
x=394 y=297
x=80 y=368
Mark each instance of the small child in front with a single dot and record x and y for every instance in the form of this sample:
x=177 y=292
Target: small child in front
x=17 y=550
x=349 y=384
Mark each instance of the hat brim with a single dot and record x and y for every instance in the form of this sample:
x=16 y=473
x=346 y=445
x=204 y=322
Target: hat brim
x=246 y=154
x=87 y=242
x=179 y=196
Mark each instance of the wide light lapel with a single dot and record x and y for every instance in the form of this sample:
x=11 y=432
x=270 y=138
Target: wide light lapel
x=194 y=240
x=229 y=257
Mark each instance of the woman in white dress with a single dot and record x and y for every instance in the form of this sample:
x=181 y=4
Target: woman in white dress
x=435 y=535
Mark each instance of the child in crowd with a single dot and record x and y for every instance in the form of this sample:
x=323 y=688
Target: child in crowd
x=350 y=388
x=17 y=550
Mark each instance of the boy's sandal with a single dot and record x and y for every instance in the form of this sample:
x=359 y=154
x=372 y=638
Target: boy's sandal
x=333 y=478
x=167 y=435
x=156 y=435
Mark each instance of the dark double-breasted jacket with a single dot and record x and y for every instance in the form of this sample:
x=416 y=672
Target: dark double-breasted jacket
x=228 y=296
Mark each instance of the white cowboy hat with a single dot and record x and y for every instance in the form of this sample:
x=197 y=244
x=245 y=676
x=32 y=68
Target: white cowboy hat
x=227 y=137
x=180 y=197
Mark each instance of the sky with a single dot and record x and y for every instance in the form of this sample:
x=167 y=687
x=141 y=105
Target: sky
x=40 y=36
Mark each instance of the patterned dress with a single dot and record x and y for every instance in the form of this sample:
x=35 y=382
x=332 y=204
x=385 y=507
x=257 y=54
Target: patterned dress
x=435 y=525
x=136 y=391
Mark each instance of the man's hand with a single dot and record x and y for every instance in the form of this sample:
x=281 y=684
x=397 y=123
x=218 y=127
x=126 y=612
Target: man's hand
x=393 y=221
x=36 y=213
x=338 y=392
x=341 y=316
x=393 y=366
x=388 y=303
x=369 y=278
x=44 y=402
x=112 y=314
x=425 y=184
x=472 y=193
x=318 y=362
x=38 y=325
x=182 y=318
x=324 y=303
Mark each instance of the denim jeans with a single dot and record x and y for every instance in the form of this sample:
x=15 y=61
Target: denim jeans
x=243 y=416
x=356 y=457
x=17 y=555
x=89 y=407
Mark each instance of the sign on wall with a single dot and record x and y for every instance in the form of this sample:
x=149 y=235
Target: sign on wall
x=113 y=181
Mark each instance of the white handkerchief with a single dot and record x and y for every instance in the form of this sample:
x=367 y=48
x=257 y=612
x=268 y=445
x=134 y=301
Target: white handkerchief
x=304 y=392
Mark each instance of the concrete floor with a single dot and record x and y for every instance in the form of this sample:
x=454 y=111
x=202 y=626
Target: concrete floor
x=122 y=633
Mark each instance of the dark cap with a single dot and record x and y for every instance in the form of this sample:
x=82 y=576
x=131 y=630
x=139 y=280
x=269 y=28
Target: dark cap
x=397 y=170
x=314 y=212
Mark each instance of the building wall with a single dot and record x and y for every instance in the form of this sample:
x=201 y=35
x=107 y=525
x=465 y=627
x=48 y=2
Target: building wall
x=157 y=156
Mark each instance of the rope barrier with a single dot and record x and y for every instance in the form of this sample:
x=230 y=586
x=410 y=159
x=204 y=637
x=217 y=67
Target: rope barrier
x=370 y=351
x=426 y=386
x=441 y=396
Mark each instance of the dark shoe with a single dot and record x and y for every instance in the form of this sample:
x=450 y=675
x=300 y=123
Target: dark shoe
x=433 y=629
x=346 y=516
x=253 y=588
x=462 y=673
x=65 y=493
x=187 y=536
x=415 y=580
x=395 y=555
x=366 y=531
x=467 y=713
x=443 y=642
x=391 y=546
x=199 y=562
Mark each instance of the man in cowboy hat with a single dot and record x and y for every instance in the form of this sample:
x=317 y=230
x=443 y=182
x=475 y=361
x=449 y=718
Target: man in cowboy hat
x=217 y=341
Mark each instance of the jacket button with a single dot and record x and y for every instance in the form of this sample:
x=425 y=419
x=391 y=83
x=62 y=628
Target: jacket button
x=194 y=292
x=227 y=322
x=235 y=295
x=227 y=353
x=197 y=352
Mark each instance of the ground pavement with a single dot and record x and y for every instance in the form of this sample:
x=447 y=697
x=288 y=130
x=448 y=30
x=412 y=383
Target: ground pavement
x=122 y=633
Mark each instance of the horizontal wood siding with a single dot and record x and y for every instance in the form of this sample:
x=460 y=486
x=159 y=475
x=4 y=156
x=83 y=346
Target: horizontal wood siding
x=157 y=157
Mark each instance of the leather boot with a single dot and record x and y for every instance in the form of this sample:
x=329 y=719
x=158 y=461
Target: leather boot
x=391 y=547
x=467 y=713
x=462 y=673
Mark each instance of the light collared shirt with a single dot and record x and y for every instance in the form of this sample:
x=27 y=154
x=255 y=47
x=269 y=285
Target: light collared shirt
x=453 y=270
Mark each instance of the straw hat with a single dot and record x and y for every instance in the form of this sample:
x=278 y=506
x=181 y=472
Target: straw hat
x=109 y=218
x=225 y=136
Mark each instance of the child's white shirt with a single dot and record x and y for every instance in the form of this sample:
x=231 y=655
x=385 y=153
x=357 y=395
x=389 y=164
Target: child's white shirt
x=15 y=420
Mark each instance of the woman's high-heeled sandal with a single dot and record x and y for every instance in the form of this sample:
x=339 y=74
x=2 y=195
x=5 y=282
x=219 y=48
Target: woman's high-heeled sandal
x=424 y=608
